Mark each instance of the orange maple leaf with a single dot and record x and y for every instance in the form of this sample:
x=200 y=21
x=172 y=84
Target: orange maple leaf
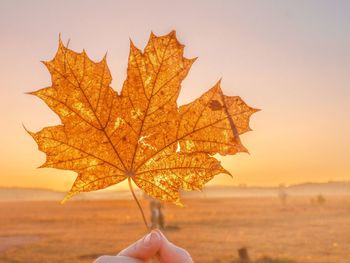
x=140 y=134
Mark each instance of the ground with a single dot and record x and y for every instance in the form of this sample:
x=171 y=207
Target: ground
x=212 y=230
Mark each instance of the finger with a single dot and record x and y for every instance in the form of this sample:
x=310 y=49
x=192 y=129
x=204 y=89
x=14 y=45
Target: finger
x=170 y=253
x=144 y=248
x=117 y=259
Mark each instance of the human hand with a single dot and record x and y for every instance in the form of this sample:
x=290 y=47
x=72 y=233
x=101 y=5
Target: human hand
x=153 y=245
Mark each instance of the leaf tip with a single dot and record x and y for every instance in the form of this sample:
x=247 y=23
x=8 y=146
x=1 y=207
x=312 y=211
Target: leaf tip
x=68 y=196
x=179 y=203
x=131 y=43
x=68 y=42
x=44 y=165
x=229 y=174
x=104 y=58
x=199 y=189
x=60 y=43
x=191 y=60
x=224 y=171
x=25 y=128
x=46 y=64
x=172 y=33
x=245 y=150
x=29 y=93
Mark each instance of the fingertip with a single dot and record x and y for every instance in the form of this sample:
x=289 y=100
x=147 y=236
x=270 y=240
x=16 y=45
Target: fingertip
x=145 y=248
x=152 y=239
x=117 y=259
x=161 y=235
x=105 y=259
x=170 y=253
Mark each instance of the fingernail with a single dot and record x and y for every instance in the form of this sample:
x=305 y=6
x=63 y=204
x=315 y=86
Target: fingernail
x=151 y=237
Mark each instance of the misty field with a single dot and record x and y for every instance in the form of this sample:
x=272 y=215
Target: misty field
x=210 y=229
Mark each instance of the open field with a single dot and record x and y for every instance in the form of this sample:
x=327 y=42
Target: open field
x=210 y=229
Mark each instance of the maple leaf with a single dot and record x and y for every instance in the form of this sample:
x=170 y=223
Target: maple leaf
x=140 y=134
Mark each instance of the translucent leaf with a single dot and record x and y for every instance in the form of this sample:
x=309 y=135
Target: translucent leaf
x=141 y=133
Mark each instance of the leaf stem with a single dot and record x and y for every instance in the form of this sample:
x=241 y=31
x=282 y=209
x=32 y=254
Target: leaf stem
x=138 y=203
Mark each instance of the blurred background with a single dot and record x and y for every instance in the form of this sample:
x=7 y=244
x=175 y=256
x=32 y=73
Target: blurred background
x=289 y=198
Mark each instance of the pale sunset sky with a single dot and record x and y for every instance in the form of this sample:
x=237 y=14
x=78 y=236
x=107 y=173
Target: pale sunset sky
x=289 y=58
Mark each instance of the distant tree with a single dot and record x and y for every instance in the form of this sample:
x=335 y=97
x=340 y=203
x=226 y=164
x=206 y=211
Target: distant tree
x=282 y=194
x=243 y=255
x=157 y=216
x=320 y=199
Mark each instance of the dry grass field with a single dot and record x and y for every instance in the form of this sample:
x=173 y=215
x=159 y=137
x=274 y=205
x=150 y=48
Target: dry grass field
x=210 y=229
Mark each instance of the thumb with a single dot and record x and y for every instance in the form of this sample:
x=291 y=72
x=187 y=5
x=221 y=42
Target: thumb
x=145 y=248
x=170 y=253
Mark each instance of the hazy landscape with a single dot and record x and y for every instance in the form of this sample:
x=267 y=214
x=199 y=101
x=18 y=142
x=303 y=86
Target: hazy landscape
x=299 y=229
x=306 y=189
